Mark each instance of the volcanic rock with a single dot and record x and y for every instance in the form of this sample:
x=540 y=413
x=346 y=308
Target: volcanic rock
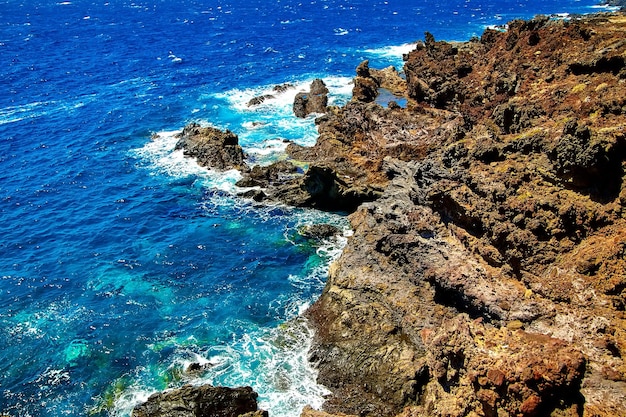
x=202 y=401
x=487 y=277
x=369 y=81
x=211 y=147
x=319 y=231
x=314 y=101
x=365 y=86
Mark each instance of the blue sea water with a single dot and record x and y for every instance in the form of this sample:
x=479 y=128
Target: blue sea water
x=121 y=261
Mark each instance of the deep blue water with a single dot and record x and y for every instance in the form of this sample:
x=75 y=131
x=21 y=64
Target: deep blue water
x=121 y=262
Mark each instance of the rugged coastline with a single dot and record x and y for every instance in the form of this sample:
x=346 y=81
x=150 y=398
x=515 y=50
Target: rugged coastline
x=487 y=271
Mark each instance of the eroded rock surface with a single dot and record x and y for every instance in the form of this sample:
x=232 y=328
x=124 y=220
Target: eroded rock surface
x=489 y=276
x=487 y=271
x=313 y=101
x=211 y=147
x=201 y=401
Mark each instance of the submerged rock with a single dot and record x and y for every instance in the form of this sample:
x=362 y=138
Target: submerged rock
x=319 y=231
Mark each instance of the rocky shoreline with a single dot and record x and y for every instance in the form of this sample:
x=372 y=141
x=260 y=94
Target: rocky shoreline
x=487 y=271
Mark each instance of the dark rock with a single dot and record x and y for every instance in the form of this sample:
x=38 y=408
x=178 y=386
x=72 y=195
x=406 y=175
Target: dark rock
x=202 y=401
x=365 y=86
x=320 y=188
x=264 y=176
x=365 y=89
x=314 y=101
x=255 y=101
x=196 y=368
x=256 y=195
x=281 y=88
x=212 y=147
x=319 y=231
x=584 y=161
x=513 y=118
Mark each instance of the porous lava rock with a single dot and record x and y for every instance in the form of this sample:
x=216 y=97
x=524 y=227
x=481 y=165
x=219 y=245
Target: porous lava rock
x=486 y=275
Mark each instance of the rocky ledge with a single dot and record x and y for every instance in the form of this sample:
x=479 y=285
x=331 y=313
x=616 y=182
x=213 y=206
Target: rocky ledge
x=489 y=279
x=487 y=271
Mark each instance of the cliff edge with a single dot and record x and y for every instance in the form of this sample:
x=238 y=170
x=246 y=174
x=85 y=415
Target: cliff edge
x=488 y=275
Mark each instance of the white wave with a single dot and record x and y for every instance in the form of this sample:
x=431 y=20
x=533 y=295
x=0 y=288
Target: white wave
x=266 y=152
x=129 y=399
x=272 y=360
x=606 y=7
x=51 y=377
x=275 y=363
x=392 y=54
x=37 y=109
x=273 y=119
x=340 y=31
x=27 y=111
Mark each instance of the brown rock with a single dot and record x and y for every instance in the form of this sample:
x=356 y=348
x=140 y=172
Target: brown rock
x=202 y=401
x=314 y=101
x=212 y=147
x=488 y=277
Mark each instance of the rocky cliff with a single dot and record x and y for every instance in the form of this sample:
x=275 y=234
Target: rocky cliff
x=489 y=277
x=487 y=271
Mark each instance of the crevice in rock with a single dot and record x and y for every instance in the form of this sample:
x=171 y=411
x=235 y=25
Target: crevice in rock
x=611 y=65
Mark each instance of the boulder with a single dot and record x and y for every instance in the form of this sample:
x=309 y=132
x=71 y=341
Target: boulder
x=319 y=231
x=365 y=86
x=313 y=101
x=211 y=147
x=255 y=101
x=201 y=401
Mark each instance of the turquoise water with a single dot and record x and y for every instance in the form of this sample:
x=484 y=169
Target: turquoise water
x=121 y=261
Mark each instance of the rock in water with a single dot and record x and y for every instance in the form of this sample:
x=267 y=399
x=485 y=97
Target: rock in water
x=319 y=231
x=212 y=147
x=202 y=401
x=315 y=101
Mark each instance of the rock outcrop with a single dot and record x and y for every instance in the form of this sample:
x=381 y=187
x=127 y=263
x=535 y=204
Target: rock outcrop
x=278 y=89
x=313 y=101
x=211 y=147
x=201 y=401
x=489 y=277
x=487 y=271
x=368 y=82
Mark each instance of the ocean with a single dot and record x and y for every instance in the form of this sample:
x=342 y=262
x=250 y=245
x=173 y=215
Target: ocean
x=123 y=262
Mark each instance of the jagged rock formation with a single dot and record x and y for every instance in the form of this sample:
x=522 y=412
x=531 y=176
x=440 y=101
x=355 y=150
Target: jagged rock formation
x=201 y=401
x=281 y=88
x=212 y=147
x=489 y=279
x=313 y=101
x=368 y=82
x=487 y=271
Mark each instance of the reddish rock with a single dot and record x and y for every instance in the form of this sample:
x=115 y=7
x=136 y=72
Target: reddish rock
x=488 y=277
